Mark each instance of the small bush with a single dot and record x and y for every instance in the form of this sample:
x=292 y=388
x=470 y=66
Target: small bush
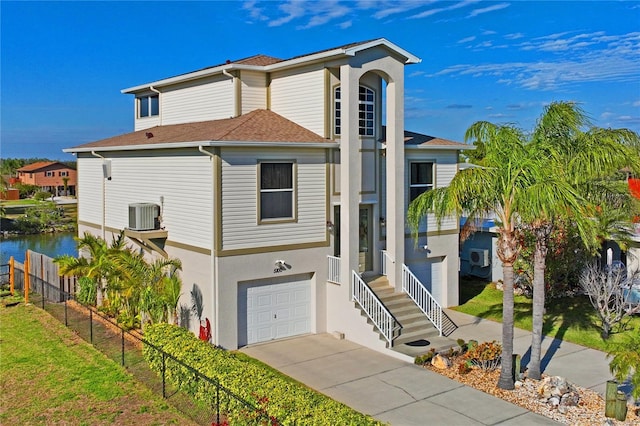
x=271 y=393
x=464 y=368
x=425 y=358
x=486 y=355
x=41 y=195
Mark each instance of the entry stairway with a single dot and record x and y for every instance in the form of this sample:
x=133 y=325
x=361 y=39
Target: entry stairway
x=416 y=333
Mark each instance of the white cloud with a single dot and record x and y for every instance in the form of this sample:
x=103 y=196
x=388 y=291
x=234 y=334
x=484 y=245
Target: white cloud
x=488 y=9
x=467 y=39
x=569 y=59
x=453 y=6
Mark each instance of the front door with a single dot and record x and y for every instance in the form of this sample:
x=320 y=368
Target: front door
x=365 y=237
x=365 y=248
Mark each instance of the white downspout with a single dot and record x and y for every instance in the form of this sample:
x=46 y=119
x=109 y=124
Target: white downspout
x=104 y=198
x=213 y=245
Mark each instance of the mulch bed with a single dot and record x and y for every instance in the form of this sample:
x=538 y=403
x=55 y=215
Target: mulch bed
x=589 y=411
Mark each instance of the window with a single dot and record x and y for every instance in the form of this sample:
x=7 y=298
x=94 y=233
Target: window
x=49 y=174
x=63 y=173
x=148 y=106
x=276 y=191
x=366 y=102
x=421 y=179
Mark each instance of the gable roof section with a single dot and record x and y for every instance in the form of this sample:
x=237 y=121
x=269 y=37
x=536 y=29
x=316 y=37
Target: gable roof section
x=34 y=167
x=256 y=127
x=420 y=141
x=268 y=63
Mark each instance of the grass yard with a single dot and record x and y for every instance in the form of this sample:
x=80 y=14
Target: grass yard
x=569 y=318
x=49 y=375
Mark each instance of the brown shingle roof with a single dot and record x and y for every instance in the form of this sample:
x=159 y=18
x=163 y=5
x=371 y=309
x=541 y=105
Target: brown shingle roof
x=256 y=126
x=36 y=166
x=418 y=139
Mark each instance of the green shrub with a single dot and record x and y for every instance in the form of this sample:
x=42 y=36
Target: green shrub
x=270 y=392
x=486 y=355
x=425 y=358
x=41 y=195
x=87 y=292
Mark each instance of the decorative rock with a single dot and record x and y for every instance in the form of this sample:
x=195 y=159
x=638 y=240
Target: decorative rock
x=441 y=362
x=570 y=399
x=518 y=384
x=554 y=401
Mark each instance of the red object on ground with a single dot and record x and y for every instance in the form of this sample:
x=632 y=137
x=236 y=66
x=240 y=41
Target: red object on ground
x=205 y=330
x=634 y=187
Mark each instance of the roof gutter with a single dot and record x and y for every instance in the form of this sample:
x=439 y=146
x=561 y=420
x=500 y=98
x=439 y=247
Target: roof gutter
x=198 y=144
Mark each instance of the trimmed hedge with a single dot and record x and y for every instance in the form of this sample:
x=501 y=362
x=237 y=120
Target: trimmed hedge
x=273 y=393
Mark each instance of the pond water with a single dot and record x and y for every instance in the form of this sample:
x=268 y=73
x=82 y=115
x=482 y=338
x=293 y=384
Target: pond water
x=51 y=245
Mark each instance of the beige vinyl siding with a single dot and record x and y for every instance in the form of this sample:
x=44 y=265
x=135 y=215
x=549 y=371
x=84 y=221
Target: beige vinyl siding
x=181 y=183
x=300 y=97
x=206 y=99
x=90 y=179
x=146 y=122
x=240 y=228
x=254 y=91
x=445 y=167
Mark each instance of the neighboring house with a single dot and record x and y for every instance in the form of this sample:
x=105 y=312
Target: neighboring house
x=278 y=185
x=55 y=178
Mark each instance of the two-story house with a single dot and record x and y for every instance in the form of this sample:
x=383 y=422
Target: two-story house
x=283 y=192
x=51 y=176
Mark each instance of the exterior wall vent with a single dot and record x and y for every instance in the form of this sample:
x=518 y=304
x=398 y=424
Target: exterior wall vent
x=144 y=216
x=479 y=257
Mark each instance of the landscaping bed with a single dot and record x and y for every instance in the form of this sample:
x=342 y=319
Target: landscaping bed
x=589 y=411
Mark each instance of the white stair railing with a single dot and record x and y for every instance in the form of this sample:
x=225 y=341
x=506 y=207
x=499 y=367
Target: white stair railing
x=386 y=261
x=421 y=296
x=373 y=307
x=333 y=274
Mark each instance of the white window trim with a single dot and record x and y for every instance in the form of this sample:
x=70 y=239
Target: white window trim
x=337 y=106
x=428 y=186
x=293 y=190
x=147 y=99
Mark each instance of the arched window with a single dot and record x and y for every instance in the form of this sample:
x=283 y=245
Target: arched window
x=366 y=111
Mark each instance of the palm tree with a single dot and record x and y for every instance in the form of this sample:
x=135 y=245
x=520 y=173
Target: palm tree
x=144 y=283
x=583 y=160
x=98 y=266
x=499 y=187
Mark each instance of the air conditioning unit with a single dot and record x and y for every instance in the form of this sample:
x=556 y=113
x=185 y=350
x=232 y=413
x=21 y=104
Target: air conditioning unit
x=144 y=216
x=479 y=257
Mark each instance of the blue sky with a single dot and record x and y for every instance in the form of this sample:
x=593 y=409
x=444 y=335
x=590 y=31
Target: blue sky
x=63 y=64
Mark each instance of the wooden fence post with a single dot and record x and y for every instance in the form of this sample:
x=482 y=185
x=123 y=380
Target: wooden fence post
x=12 y=275
x=27 y=277
x=610 y=398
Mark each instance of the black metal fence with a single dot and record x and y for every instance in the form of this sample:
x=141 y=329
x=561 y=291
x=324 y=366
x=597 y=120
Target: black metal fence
x=126 y=348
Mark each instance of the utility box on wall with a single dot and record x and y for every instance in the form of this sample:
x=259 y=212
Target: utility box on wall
x=144 y=216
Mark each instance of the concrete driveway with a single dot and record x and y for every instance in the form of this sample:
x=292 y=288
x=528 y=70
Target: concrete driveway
x=391 y=390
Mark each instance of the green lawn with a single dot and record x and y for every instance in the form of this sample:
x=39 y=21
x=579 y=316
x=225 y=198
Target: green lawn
x=22 y=202
x=48 y=375
x=569 y=318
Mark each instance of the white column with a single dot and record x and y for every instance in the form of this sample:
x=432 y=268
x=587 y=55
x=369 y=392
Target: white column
x=395 y=178
x=350 y=174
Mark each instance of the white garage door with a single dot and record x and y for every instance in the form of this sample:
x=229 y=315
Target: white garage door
x=273 y=310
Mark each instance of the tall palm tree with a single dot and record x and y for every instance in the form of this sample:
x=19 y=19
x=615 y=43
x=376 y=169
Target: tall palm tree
x=498 y=188
x=582 y=160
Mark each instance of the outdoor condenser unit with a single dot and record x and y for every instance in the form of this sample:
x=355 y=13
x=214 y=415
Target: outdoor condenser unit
x=143 y=216
x=479 y=257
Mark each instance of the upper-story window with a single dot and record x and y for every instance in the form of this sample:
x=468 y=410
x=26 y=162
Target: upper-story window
x=366 y=111
x=277 y=195
x=421 y=179
x=49 y=174
x=148 y=106
x=63 y=173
